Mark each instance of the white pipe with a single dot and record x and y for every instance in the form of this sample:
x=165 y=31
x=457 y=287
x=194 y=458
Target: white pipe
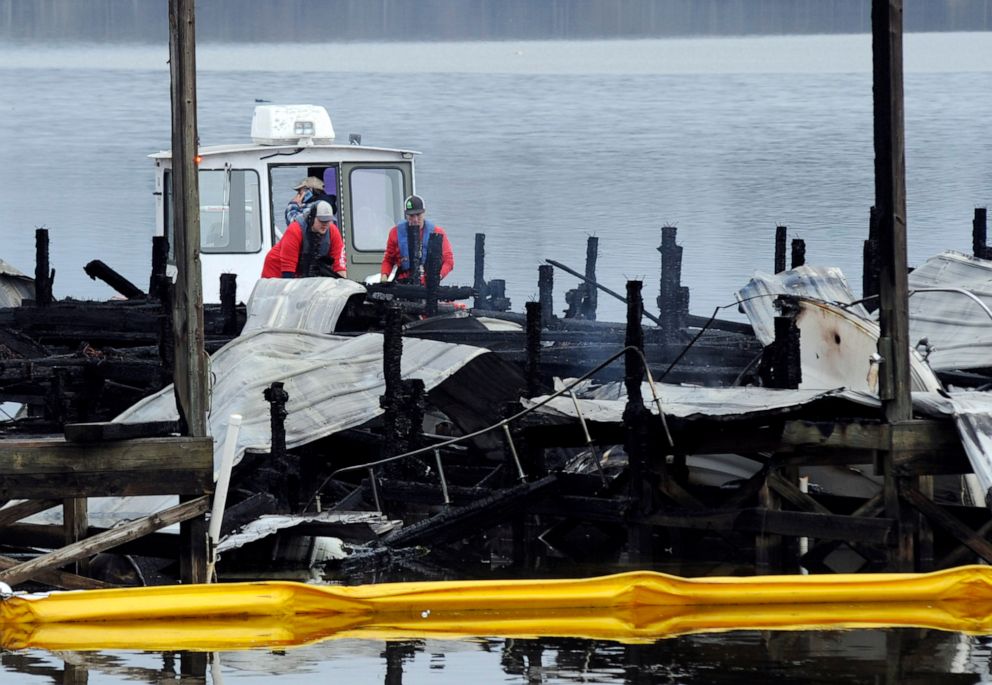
x=224 y=477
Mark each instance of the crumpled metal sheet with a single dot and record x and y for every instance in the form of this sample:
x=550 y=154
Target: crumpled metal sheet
x=757 y=298
x=308 y=304
x=15 y=286
x=837 y=343
x=973 y=416
x=333 y=383
x=606 y=403
x=957 y=328
x=268 y=525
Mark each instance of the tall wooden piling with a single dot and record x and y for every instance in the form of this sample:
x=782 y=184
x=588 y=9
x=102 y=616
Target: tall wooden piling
x=545 y=288
x=979 y=233
x=890 y=201
x=43 y=275
x=533 y=348
x=190 y=378
x=673 y=297
x=591 y=298
x=191 y=358
x=432 y=273
x=479 y=281
x=780 y=239
x=635 y=420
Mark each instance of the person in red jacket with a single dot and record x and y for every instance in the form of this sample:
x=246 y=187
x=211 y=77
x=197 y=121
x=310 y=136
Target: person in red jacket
x=398 y=250
x=311 y=241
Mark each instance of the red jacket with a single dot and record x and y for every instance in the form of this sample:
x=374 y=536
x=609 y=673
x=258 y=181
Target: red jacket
x=393 y=255
x=285 y=255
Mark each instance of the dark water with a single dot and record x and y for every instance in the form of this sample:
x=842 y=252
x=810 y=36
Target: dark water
x=881 y=656
x=538 y=145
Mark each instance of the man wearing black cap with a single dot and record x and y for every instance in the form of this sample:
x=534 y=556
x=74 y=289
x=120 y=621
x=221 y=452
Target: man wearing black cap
x=399 y=248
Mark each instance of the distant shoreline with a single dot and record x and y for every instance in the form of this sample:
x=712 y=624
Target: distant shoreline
x=263 y=21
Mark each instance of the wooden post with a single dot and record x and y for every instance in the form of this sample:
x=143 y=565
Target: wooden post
x=228 y=303
x=545 y=289
x=673 y=297
x=890 y=203
x=43 y=276
x=277 y=398
x=798 y=252
x=496 y=292
x=479 y=282
x=780 y=236
x=781 y=362
x=190 y=377
x=533 y=348
x=75 y=522
x=413 y=239
x=191 y=359
x=391 y=400
x=591 y=299
x=635 y=418
x=979 y=232
x=160 y=257
x=432 y=273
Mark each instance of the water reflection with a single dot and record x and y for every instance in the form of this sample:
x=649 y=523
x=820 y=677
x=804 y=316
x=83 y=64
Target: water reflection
x=905 y=655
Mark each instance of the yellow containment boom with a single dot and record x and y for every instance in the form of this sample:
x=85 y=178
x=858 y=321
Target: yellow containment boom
x=628 y=606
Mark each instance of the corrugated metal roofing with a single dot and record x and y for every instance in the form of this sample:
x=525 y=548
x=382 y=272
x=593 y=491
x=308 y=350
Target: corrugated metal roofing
x=309 y=304
x=957 y=328
x=814 y=282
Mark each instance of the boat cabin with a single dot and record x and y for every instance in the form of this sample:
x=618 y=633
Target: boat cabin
x=244 y=190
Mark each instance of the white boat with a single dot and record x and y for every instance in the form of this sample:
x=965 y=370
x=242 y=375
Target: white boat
x=244 y=190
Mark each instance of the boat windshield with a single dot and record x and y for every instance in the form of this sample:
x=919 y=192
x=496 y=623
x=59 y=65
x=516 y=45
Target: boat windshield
x=230 y=221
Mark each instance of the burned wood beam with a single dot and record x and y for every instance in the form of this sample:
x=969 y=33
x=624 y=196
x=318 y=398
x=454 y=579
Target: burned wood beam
x=791 y=523
x=228 y=303
x=780 y=239
x=60 y=579
x=979 y=234
x=673 y=297
x=591 y=297
x=432 y=273
x=277 y=398
x=975 y=542
x=111 y=538
x=798 y=252
x=160 y=258
x=871 y=263
x=108 y=430
x=98 y=270
x=43 y=276
x=479 y=280
x=16 y=512
x=50 y=468
x=533 y=342
x=545 y=288
x=460 y=522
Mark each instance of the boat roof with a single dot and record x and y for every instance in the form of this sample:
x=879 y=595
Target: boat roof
x=237 y=148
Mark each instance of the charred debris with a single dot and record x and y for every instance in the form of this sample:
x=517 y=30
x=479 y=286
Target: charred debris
x=487 y=467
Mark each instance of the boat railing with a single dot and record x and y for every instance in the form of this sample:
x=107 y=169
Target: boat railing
x=504 y=425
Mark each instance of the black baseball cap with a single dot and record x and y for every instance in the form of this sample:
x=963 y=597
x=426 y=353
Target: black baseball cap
x=414 y=205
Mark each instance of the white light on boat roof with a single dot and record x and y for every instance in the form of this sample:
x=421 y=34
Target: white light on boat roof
x=291 y=124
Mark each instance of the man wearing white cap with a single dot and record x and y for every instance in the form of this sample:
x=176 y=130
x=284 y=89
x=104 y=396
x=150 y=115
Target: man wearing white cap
x=311 y=241
x=398 y=248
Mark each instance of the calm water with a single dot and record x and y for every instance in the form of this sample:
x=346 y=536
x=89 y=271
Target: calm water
x=538 y=145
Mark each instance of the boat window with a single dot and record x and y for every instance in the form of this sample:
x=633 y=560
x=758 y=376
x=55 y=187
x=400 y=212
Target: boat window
x=230 y=221
x=282 y=181
x=376 y=204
